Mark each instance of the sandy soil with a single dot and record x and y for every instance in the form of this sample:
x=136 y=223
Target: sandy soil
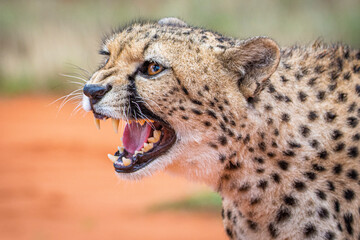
x=56 y=182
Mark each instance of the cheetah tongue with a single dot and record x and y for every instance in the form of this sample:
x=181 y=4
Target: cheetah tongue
x=135 y=136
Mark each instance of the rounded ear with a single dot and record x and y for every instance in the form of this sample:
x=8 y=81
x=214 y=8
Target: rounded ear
x=254 y=61
x=172 y=21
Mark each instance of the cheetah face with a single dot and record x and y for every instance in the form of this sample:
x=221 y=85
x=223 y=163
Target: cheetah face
x=160 y=82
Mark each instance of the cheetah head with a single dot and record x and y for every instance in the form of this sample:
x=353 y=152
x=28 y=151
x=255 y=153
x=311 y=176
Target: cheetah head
x=174 y=86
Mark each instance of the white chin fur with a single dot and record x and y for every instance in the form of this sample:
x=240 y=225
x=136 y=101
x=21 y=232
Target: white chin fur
x=86 y=103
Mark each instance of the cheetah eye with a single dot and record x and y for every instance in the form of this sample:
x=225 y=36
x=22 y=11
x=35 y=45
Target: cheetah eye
x=151 y=68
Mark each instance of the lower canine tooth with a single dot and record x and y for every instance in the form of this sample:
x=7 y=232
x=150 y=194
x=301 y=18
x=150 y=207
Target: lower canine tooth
x=115 y=124
x=126 y=161
x=151 y=140
x=112 y=157
x=97 y=123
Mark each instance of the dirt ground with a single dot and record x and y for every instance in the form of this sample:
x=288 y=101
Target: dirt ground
x=57 y=183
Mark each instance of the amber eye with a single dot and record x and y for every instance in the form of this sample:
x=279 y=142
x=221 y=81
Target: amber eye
x=153 y=69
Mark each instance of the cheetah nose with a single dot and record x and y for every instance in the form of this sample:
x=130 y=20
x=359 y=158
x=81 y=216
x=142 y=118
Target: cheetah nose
x=96 y=92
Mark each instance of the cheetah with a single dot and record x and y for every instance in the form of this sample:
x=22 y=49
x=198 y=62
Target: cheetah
x=275 y=131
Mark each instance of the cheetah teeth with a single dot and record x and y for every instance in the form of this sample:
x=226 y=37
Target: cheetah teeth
x=112 y=157
x=126 y=161
x=97 y=123
x=116 y=123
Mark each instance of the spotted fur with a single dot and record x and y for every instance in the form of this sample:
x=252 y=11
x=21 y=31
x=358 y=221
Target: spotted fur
x=274 y=131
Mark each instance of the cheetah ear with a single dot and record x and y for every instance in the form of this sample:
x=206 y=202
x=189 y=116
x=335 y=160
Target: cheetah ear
x=254 y=61
x=171 y=21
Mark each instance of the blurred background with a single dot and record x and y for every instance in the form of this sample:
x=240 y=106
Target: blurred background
x=55 y=180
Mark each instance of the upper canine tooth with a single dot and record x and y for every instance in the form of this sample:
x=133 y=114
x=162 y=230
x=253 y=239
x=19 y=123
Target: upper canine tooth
x=115 y=124
x=112 y=157
x=148 y=146
x=97 y=123
x=126 y=161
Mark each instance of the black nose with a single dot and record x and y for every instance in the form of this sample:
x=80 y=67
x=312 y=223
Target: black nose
x=96 y=92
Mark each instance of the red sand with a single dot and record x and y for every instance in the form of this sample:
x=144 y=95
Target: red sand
x=57 y=183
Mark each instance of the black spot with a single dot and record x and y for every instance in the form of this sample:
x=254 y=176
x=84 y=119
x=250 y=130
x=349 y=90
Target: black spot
x=353 y=152
x=271 y=88
x=342 y=97
x=357 y=89
x=349 y=194
x=283 y=214
x=245 y=187
x=289 y=200
x=329 y=116
x=268 y=107
x=329 y=235
x=262 y=146
x=319 y=69
x=229 y=232
x=284 y=79
x=211 y=114
x=288 y=153
x=332 y=87
x=356 y=137
x=309 y=230
x=312 y=81
x=299 y=186
x=260 y=170
x=352 y=122
x=339 y=147
x=283 y=165
x=252 y=225
x=247 y=139
x=228 y=214
x=197 y=112
x=356 y=69
x=352 y=174
x=185 y=90
x=231 y=166
x=352 y=107
x=207 y=123
x=276 y=177
x=222 y=158
x=321 y=95
x=302 y=96
x=318 y=167
x=262 y=184
x=206 y=87
x=320 y=194
x=310 y=175
x=331 y=186
x=259 y=160
x=336 y=134
x=255 y=200
x=185 y=117
x=213 y=145
x=312 y=116
x=182 y=108
x=337 y=169
x=273 y=231
x=294 y=144
x=271 y=154
x=323 y=154
x=336 y=206
x=222 y=140
x=323 y=213
x=349 y=219
x=304 y=130
x=285 y=117
x=314 y=143
x=347 y=76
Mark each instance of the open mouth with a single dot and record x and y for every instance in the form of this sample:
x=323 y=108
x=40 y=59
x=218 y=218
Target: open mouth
x=142 y=142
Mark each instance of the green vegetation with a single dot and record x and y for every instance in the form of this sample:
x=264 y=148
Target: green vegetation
x=38 y=39
x=203 y=201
